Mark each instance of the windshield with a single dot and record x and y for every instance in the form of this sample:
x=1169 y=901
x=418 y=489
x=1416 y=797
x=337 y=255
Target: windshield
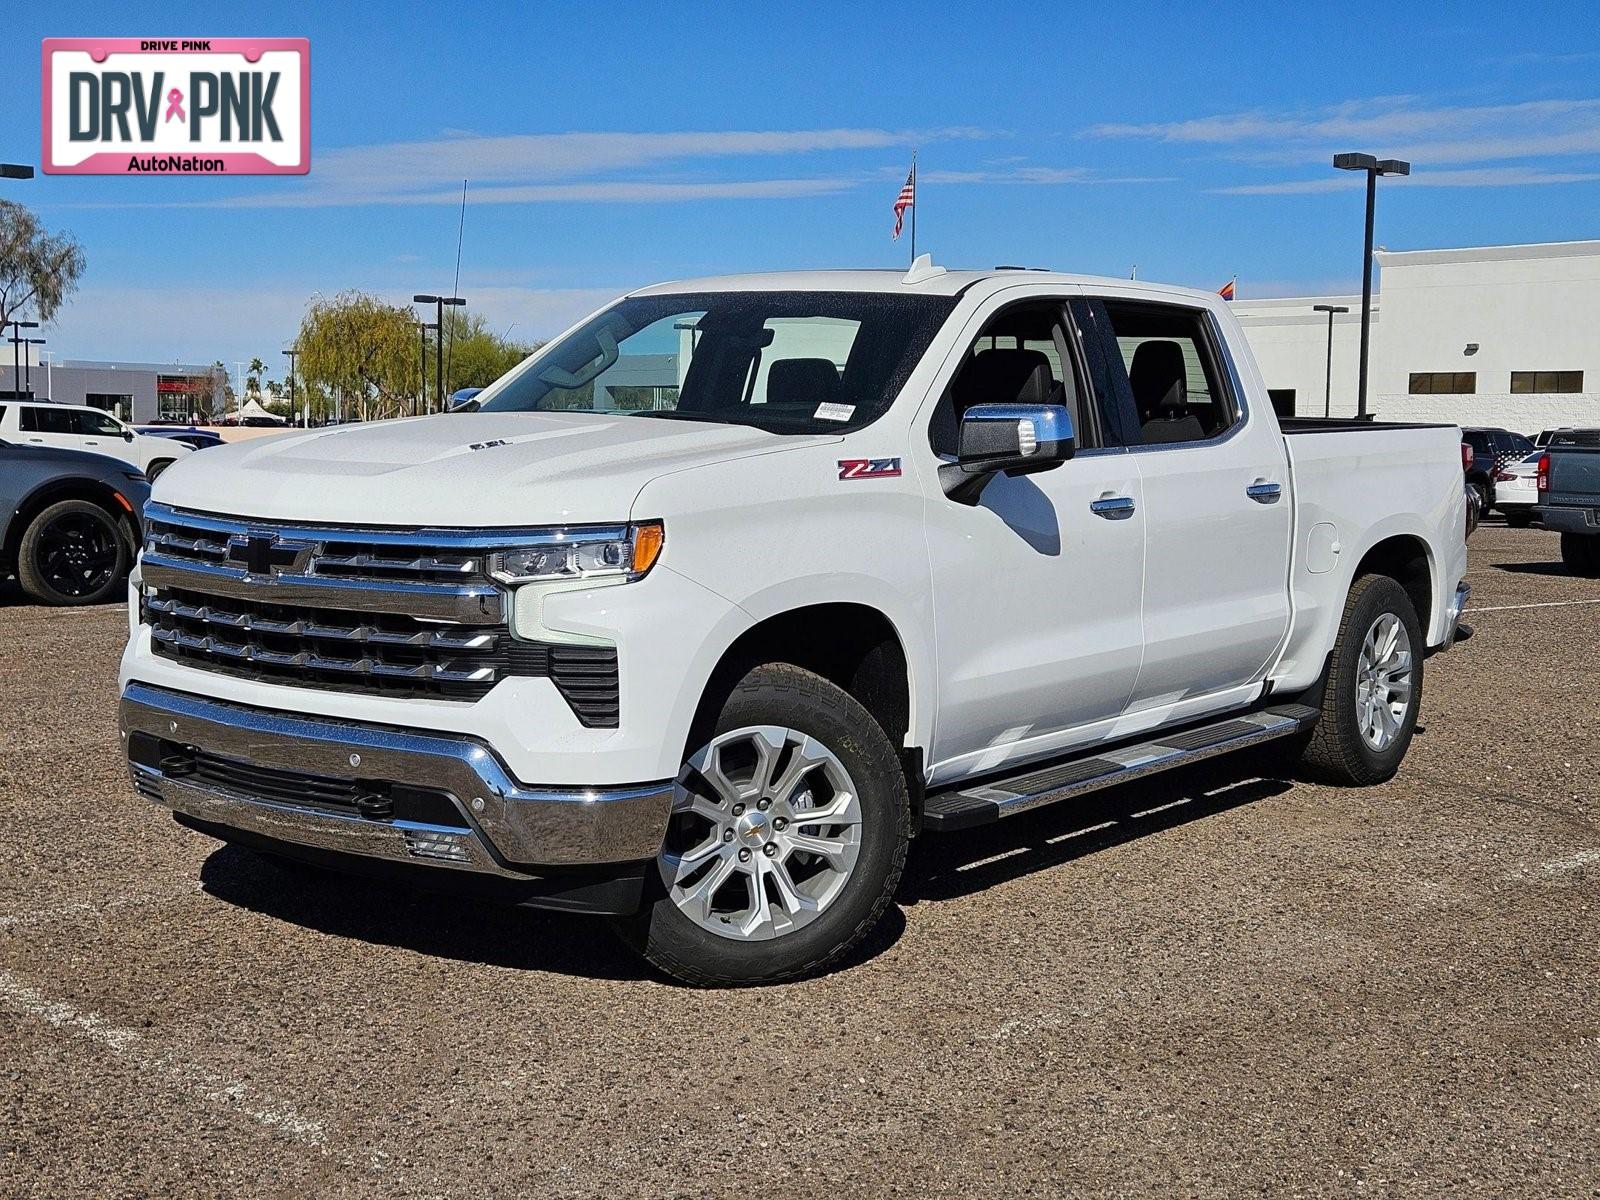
x=787 y=362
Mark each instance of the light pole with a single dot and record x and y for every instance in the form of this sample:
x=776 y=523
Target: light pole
x=422 y=363
x=1327 y=394
x=16 y=353
x=27 y=362
x=292 y=355
x=438 y=349
x=49 y=357
x=1373 y=167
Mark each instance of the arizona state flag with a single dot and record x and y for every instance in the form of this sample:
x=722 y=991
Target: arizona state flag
x=1226 y=290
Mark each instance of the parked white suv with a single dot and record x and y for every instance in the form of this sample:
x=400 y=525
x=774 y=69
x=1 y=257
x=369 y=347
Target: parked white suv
x=741 y=584
x=79 y=427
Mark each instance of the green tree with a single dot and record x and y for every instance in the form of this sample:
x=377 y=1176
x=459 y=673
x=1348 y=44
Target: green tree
x=37 y=268
x=361 y=352
x=474 y=355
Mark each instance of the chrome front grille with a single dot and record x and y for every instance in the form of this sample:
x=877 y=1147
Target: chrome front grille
x=396 y=612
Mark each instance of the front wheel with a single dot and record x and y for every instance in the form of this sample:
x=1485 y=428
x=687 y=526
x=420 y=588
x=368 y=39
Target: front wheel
x=1581 y=554
x=72 y=553
x=787 y=838
x=153 y=471
x=1374 y=686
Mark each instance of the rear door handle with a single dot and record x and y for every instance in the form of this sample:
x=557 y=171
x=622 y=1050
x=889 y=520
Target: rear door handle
x=1264 y=492
x=1112 y=508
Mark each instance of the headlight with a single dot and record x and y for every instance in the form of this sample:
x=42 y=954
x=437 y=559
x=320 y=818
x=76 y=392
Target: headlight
x=581 y=554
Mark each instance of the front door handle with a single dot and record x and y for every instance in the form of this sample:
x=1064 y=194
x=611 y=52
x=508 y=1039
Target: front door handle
x=1263 y=491
x=1112 y=508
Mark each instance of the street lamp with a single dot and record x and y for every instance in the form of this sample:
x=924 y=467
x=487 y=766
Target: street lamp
x=27 y=363
x=292 y=355
x=1330 y=309
x=1373 y=167
x=16 y=353
x=422 y=363
x=438 y=349
x=15 y=171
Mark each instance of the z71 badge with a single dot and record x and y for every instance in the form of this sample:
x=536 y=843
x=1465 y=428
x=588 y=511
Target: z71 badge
x=868 y=468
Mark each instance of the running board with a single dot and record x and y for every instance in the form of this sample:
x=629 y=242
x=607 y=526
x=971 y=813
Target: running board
x=983 y=804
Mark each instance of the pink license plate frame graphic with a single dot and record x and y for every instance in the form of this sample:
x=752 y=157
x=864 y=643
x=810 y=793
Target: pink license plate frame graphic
x=233 y=162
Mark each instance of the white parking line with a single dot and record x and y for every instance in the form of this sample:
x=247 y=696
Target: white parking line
x=136 y=1050
x=1513 y=607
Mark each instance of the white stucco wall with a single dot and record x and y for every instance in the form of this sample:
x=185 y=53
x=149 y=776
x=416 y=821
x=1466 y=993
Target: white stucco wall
x=1528 y=308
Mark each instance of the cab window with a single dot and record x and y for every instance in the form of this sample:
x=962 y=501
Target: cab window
x=1021 y=356
x=1163 y=361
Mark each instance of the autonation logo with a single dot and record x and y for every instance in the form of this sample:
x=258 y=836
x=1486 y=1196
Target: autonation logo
x=167 y=106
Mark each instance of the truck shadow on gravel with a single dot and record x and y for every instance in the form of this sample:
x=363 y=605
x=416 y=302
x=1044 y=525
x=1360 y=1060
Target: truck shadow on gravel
x=944 y=868
x=1557 y=568
x=411 y=918
x=523 y=939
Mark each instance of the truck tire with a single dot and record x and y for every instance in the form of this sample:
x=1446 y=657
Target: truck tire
x=1580 y=552
x=73 y=552
x=153 y=471
x=747 y=890
x=1373 y=690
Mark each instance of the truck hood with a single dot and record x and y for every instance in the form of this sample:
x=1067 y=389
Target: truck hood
x=461 y=469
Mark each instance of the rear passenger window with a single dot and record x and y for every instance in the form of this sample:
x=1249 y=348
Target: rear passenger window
x=1170 y=370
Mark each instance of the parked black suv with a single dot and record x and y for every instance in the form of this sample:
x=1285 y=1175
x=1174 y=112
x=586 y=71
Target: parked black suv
x=1491 y=450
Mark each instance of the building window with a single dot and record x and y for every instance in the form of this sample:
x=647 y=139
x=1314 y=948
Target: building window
x=116 y=403
x=1443 y=383
x=1529 y=382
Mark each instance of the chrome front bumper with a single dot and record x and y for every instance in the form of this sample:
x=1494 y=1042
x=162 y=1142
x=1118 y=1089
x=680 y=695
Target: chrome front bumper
x=503 y=825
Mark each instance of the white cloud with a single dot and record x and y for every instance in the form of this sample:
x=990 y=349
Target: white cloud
x=1402 y=126
x=181 y=322
x=585 y=167
x=1466 y=177
x=1032 y=175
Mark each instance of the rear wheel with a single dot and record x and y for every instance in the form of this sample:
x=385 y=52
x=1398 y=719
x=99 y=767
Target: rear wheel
x=1374 y=686
x=72 y=553
x=1519 y=520
x=787 y=838
x=1581 y=554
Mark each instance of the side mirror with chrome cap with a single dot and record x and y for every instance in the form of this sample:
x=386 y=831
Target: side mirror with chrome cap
x=1017 y=439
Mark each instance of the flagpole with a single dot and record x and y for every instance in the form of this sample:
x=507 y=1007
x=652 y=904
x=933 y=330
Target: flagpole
x=914 y=199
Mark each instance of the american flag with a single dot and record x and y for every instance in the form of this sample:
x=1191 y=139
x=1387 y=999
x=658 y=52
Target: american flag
x=906 y=199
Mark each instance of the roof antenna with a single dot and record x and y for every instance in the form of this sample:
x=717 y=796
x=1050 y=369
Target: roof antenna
x=922 y=270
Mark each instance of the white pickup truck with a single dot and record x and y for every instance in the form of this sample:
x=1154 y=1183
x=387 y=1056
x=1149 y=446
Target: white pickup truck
x=731 y=590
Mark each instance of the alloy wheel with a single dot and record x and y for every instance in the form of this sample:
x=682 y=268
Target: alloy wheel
x=1384 y=678
x=765 y=833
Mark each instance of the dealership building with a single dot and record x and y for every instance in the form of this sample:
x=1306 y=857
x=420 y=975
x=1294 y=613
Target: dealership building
x=1491 y=335
x=136 y=392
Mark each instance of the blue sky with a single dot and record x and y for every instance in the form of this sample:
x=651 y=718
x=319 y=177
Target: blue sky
x=619 y=144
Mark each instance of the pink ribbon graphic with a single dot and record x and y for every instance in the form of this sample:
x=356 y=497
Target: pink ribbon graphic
x=175 y=106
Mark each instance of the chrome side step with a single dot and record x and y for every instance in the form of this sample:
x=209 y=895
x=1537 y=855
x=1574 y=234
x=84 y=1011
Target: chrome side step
x=983 y=804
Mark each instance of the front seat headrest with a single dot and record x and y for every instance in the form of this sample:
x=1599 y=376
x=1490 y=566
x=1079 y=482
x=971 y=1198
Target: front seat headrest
x=999 y=376
x=1160 y=380
x=802 y=382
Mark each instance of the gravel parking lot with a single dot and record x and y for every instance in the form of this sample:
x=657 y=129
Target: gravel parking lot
x=1213 y=983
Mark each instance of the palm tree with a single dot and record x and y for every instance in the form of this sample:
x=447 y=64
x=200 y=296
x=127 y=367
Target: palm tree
x=253 y=384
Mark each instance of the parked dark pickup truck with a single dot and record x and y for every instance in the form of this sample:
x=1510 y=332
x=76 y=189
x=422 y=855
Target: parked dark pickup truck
x=1569 y=500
